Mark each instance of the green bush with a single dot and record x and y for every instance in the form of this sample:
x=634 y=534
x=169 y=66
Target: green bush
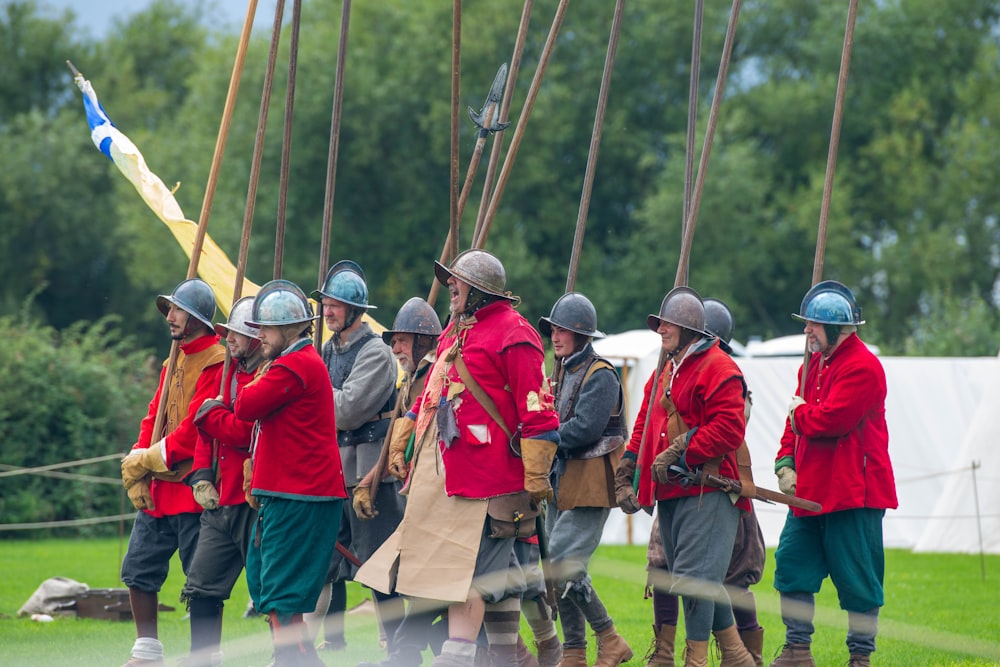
x=67 y=396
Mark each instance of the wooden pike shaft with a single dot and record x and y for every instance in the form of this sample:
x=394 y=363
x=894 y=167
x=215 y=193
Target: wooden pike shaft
x=206 y=206
x=595 y=146
x=331 y=162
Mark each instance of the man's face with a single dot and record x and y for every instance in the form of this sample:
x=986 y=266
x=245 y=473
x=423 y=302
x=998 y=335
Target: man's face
x=670 y=335
x=816 y=337
x=238 y=344
x=563 y=342
x=335 y=314
x=177 y=319
x=272 y=341
x=459 y=291
x=402 y=348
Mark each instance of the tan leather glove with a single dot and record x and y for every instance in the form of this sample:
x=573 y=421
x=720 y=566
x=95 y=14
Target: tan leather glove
x=787 y=478
x=247 y=479
x=537 y=457
x=668 y=457
x=362 y=502
x=205 y=494
x=140 y=462
x=140 y=495
x=402 y=428
x=624 y=492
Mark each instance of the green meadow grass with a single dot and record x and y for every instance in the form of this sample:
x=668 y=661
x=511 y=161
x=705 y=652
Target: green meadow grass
x=939 y=611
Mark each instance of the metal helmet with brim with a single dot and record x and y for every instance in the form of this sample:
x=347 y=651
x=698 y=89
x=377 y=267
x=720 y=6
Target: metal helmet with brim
x=574 y=312
x=194 y=297
x=280 y=302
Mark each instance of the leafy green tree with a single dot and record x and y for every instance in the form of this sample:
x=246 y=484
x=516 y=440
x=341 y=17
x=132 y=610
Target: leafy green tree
x=68 y=395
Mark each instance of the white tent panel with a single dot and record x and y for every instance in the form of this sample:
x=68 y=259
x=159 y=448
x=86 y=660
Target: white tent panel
x=966 y=516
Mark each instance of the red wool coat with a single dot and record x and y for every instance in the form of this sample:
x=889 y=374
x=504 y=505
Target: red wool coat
x=232 y=436
x=708 y=390
x=204 y=356
x=842 y=456
x=504 y=354
x=295 y=455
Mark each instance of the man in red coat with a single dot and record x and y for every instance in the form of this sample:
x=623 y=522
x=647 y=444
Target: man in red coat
x=217 y=484
x=153 y=471
x=485 y=432
x=835 y=450
x=294 y=476
x=692 y=418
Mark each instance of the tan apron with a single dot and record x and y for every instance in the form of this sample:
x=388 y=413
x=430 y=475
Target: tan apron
x=432 y=553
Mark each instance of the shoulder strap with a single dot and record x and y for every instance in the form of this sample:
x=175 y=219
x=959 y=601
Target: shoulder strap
x=480 y=395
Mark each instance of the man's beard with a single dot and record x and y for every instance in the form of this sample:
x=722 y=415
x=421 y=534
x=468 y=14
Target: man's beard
x=405 y=364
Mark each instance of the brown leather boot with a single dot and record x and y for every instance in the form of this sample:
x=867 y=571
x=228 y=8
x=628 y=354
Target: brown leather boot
x=550 y=651
x=612 y=650
x=858 y=660
x=695 y=653
x=661 y=651
x=754 y=641
x=574 y=657
x=734 y=653
x=512 y=655
x=794 y=655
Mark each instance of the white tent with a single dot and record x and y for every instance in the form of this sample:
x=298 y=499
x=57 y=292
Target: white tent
x=941 y=415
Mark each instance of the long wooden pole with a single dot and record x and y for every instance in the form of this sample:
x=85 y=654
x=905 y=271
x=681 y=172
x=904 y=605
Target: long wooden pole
x=251 y=201
x=515 y=66
x=456 y=76
x=206 y=205
x=706 y=149
x=522 y=121
x=692 y=215
x=485 y=123
x=286 y=142
x=692 y=119
x=831 y=165
x=595 y=146
x=331 y=162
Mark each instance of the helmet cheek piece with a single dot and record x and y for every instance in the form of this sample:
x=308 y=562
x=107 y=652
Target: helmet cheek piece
x=832 y=333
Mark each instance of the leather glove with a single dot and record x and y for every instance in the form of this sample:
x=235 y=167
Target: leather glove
x=624 y=492
x=247 y=479
x=668 y=457
x=786 y=480
x=140 y=495
x=205 y=494
x=140 y=462
x=402 y=428
x=796 y=402
x=537 y=456
x=362 y=502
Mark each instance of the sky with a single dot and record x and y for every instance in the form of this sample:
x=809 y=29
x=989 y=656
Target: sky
x=96 y=15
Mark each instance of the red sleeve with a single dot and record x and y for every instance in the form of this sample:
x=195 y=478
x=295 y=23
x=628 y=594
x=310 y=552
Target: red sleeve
x=181 y=442
x=149 y=421
x=524 y=366
x=786 y=446
x=270 y=392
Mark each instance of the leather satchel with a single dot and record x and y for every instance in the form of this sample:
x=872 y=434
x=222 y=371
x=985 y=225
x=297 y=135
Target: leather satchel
x=511 y=515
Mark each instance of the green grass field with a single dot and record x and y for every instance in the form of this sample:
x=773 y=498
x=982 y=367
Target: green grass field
x=939 y=611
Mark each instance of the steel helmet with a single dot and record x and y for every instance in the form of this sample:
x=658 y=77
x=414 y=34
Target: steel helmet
x=681 y=306
x=280 y=302
x=574 y=312
x=719 y=322
x=345 y=282
x=194 y=297
x=239 y=315
x=829 y=302
x=480 y=269
x=416 y=317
